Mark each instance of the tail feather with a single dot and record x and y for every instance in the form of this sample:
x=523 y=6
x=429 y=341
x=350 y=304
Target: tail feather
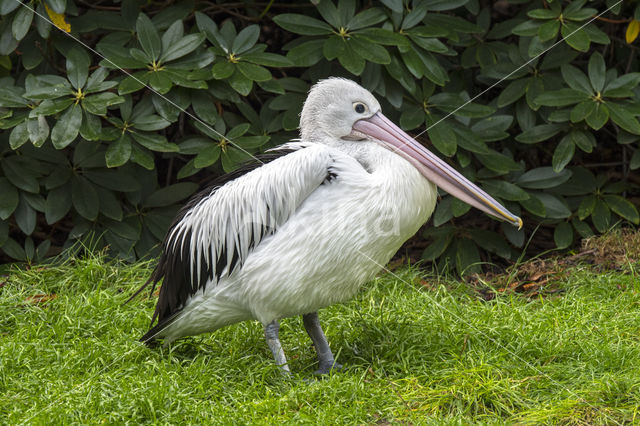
x=151 y=337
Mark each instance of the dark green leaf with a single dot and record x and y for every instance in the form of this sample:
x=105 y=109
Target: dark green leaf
x=38 y=130
x=452 y=23
x=238 y=131
x=133 y=82
x=142 y=156
x=627 y=81
x=505 y=190
x=623 y=118
x=118 y=57
x=583 y=140
x=207 y=156
x=384 y=37
x=563 y=154
x=85 y=198
x=543 y=177
x=351 y=61
x=443 y=212
x=582 y=228
x=22 y=22
x=148 y=36
x=67 y=127
x=434 y=72
x=561 y=97
x=204 y=106
x=170 y=195
x=182 y=47
x=549 y=30
x=601 y=216
x=78 y=62
x=539 y=133
x=301 y=24
x=586 y=207
x=414 y=63
x=307 y=53
x=58 y=6
x=245 y=39
x=443 y=138
x=491 y=241
x=254 y=72
x=556 y=207
x=467 y=257
x=575 y=37
x=109 y=205
x=150 y=122
x=119 y=180
x=268 y=59
x=576 y=79
x=161 y=81
x=370 y=51
x=563 y=235
x=366 y=18
x=58 y=203
x=514 y=91
x=329 y=13
x=171 y=36
x=13 y=249
x=543 y=14
x=438 y=246
x=154 y=142
x=222 y=70
x=598 y=117
x=118 y=152
x=98 y=104
x=9 y=199
x=333 y=47
x=240 y=83
x=19 y=135
x=597 y=71
x=622 y=208
x=582 y=111
x=395 y=5
x=20 y=176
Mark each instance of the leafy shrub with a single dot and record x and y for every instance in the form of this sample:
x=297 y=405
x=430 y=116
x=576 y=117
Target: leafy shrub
x=108 y=131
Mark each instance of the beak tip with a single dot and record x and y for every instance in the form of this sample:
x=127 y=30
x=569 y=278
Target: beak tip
x=519 y=223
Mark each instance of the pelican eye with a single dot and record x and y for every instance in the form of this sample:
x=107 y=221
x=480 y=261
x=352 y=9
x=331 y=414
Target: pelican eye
x=359 y=107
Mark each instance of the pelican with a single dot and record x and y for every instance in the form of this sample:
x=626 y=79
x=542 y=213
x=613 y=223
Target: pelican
x=303 y=227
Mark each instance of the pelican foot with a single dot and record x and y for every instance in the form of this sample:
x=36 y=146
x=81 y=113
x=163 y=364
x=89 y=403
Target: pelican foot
x=328 y=369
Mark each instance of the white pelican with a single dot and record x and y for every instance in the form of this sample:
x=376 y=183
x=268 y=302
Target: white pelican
x=305 y=227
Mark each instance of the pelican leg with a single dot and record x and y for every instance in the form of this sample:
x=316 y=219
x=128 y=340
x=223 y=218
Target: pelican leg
x=271 y=334
x=326 y=362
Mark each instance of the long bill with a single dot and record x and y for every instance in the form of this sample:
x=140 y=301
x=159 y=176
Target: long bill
x=433 y=168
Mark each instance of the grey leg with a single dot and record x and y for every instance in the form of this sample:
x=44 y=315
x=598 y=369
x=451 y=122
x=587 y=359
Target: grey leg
x=271 y=332
x=325 y=357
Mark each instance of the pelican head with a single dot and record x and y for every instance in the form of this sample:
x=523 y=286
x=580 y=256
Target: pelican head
x=340 y=109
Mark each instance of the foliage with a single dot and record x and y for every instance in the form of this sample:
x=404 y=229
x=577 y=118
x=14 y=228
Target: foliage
x=414 y=351
x=108 y=132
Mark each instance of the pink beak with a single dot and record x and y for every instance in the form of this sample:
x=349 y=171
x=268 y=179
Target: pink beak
x=433 y=168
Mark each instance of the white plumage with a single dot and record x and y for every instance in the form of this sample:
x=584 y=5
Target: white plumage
x=304 y=230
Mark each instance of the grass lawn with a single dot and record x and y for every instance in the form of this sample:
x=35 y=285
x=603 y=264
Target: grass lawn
x=415 y=350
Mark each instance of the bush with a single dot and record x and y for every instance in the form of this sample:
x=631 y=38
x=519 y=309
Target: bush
x=110 y=130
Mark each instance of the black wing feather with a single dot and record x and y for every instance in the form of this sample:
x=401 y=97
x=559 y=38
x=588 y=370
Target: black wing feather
x=174 y=266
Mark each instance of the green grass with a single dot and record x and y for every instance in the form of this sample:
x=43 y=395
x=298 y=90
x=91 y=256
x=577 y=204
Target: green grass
x=413 y=353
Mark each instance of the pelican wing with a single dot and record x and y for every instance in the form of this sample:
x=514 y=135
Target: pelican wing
x=217 y=229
